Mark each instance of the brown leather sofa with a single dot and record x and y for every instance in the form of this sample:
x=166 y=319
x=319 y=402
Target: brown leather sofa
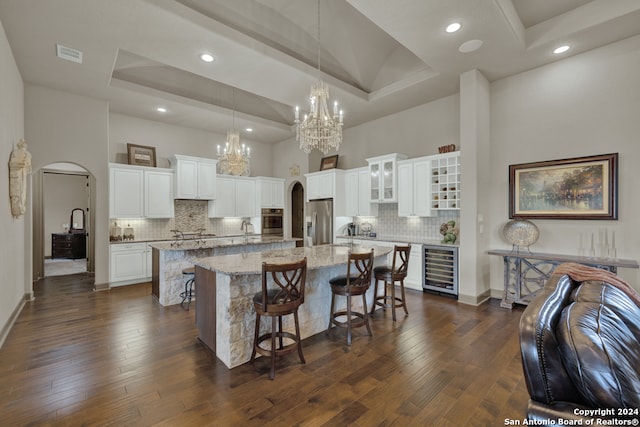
x=580 y=346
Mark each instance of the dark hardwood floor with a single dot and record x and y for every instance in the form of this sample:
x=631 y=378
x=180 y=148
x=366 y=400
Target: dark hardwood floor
x=77 y=357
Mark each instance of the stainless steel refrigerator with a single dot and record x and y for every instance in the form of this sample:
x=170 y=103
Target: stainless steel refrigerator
x=320 y=222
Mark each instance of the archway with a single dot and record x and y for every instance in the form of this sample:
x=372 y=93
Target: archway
x=58 y=189
x=297 y=212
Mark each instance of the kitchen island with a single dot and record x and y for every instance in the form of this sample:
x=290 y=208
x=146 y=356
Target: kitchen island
x=225 y=316
x=170 y=258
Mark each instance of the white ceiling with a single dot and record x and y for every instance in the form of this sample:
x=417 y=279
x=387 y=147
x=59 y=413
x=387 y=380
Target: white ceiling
x=378 y=56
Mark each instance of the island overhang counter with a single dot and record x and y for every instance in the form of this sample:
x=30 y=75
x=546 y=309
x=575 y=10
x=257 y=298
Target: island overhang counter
x=225 y=316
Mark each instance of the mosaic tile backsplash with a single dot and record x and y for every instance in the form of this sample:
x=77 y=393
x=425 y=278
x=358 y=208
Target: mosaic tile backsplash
x=387 y=223
x=191 y=215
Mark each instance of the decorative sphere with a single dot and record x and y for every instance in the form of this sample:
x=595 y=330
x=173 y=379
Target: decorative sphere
x=521 y=232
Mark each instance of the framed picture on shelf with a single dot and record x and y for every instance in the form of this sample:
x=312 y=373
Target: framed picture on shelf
x=141 y=155
x=330 y=162
x=576 y=188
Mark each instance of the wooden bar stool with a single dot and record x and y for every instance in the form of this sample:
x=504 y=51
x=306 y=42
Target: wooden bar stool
x=189 y=274
x=355 y=283
x=277 y=301
x=397 y=273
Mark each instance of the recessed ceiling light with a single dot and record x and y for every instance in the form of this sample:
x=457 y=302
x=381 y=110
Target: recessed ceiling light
x=206 y=57
x=161 y=110
x=561 y=49
x=249 y=129
x=470 y=46
x=453 y=27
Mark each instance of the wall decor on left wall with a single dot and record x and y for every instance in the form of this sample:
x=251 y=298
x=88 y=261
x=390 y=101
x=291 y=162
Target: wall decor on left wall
x=19 y=170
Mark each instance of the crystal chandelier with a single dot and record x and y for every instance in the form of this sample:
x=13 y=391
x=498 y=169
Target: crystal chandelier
x=319 y=129
x=234 y=158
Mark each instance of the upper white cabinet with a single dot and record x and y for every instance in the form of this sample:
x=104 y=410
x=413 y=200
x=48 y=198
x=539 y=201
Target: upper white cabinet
x=382 y=170
x=414 y=194
x=236 y=197
x=327 y=185
x=140 y=192
x=158 y=193
x=195 y=177
x=445 y=181
x=357 y=190
x=270 y=192
x=126 y=192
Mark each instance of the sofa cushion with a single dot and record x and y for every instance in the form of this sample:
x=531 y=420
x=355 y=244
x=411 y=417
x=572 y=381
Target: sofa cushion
x=614 y=299
x=601 y=354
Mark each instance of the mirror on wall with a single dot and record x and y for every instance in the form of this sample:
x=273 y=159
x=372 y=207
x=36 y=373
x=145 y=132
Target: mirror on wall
x=76 y=225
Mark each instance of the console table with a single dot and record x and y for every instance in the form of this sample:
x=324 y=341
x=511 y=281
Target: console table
x=525 y=273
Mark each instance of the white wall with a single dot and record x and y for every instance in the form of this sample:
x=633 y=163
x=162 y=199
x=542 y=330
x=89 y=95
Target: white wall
x=585 y=105
x=171 y=139
x=416 y=132
x=62 y=127
x=14 y=251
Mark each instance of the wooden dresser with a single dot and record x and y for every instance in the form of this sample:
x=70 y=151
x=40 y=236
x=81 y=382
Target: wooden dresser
x=68 y=245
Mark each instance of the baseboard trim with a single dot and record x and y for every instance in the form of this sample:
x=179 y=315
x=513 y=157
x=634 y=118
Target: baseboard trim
x=12 y=319
x=101 y=287
x=475 y=300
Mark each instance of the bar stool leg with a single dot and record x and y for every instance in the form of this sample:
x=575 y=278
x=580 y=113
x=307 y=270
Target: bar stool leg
x=393 y=299
x=404 y=300
x=295 y=316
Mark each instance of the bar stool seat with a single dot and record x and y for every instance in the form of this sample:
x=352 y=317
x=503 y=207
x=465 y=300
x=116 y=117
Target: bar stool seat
x=389 y=276
x=286 y=294
x=353 y=284
x=189 y=274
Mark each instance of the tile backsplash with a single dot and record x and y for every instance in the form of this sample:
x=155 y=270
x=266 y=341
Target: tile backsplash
x=190 y=215
x=387 y=223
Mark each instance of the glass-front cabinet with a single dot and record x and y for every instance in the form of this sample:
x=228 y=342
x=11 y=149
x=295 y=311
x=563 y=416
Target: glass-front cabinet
x=383 y=174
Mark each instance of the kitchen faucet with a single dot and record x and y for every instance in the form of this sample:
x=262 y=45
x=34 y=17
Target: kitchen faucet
x=245 y=226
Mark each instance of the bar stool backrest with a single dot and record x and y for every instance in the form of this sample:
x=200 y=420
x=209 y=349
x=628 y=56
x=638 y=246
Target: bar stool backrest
x=283 y=286
x=401 y=259
x=359 y=269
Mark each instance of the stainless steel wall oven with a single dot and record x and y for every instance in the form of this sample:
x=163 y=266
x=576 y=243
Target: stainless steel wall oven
x=272 y=220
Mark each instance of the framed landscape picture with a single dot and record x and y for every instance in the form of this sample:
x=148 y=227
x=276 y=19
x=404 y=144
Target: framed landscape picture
x=577 y=188
x=141 y=155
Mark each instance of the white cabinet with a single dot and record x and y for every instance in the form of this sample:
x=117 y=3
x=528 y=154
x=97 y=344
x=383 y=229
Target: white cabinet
x=382 y=170
x=414 y=271
x=445 y=181
x=327 y=185
x=140 y=192
x=414 y=192
x=126 y=192
x=128 y=263
x=320 y=185
x=195 y=177
x=270 y=192
x=236 y=197
x=357 y=189
x=158 y=193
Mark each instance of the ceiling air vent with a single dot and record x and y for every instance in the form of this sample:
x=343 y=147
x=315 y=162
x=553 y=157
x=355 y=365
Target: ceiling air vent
x=69 y=54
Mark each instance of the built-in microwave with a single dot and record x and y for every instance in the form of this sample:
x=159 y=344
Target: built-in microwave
x=272 y=222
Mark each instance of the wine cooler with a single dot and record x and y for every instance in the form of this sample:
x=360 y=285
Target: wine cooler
x=440 y=269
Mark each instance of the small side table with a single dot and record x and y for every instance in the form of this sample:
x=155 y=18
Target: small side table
x=525 y=273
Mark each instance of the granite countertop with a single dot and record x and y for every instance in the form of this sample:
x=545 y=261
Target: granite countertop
x=392 y=239
x=317 y=257
x=206 y=238
x=219 y=242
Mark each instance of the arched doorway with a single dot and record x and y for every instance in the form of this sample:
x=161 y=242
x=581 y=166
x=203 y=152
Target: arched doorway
x=297 y=213
x=58 y=190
